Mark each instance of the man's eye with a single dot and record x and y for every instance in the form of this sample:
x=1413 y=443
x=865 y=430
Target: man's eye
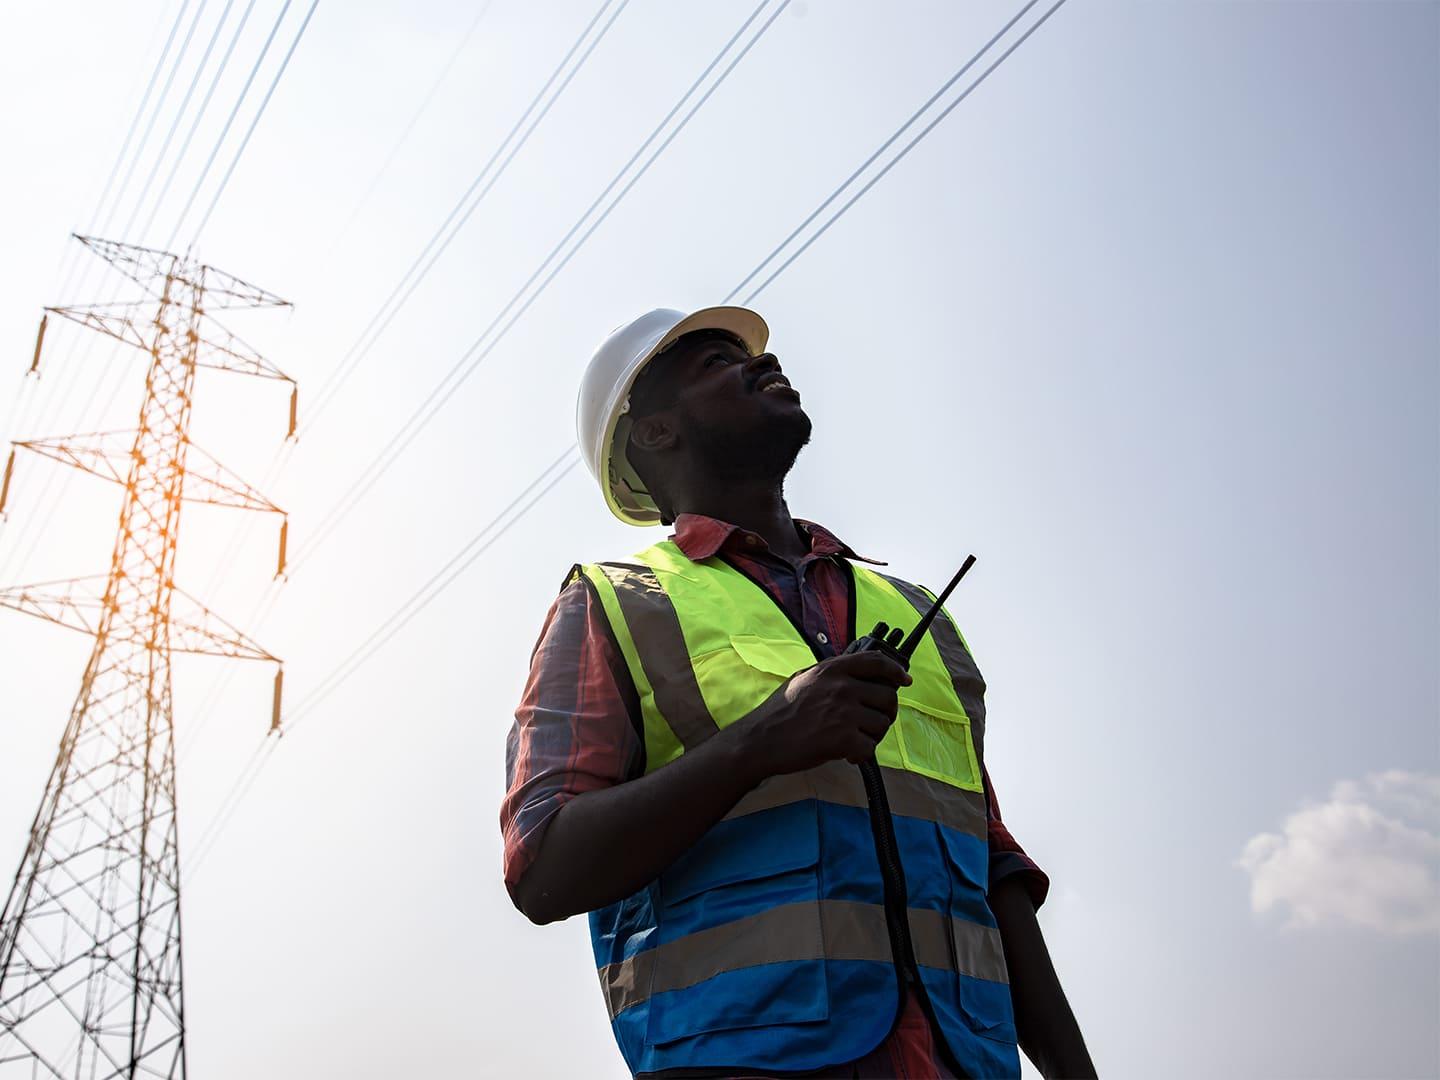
x=716 y=358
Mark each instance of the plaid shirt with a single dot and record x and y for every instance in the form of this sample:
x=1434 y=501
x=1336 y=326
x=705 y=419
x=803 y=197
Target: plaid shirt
x=578 y=726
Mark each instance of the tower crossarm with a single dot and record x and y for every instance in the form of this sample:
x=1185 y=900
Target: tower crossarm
x=116 y=320
x=194 y=628
x=74 y=603
x=110 y=454
x=141 y=265
x=224 y=350
x=225 y=290
x=147 y=265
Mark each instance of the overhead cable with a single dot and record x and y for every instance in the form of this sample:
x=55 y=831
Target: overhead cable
x=564 y=72
x=204 y=61
x=76 y=260
x=254 y=121
x=895 y=160
x=198 y=117
x=229 y=122
x=37 y=522
x=481 y=542
x=518 y=304
x=442 y=237
x=439 y=241
x=420 y=111
x=351 y=664
x=428 y=592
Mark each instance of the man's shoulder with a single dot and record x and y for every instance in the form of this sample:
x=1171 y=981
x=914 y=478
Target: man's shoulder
x=580 y=577
x=902 y=583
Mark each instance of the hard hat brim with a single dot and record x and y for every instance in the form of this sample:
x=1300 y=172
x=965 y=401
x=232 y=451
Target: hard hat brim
x=635 y=507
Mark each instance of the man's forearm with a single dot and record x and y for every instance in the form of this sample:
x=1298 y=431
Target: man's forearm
x=604 y=845
x=1049 y=1033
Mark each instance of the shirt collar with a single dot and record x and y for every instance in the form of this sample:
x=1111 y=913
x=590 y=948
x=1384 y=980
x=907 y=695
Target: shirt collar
x=701 y=537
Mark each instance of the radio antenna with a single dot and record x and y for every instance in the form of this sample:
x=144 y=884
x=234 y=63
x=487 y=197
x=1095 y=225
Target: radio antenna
x=911 y=643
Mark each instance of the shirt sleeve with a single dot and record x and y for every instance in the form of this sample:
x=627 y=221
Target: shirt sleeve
x=1007 y=857
x=576 y=728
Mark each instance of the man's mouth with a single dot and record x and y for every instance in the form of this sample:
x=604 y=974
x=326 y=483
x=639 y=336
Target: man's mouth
x=774 y=382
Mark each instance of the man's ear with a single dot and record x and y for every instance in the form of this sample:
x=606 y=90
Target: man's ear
x=652 y=433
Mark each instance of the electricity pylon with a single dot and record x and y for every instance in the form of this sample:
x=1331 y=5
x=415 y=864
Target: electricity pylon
x=90 y=968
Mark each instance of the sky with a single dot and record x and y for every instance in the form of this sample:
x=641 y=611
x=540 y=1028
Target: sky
x=1148 y=323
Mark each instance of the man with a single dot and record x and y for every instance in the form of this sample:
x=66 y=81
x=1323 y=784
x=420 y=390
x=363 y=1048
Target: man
x=683 y=762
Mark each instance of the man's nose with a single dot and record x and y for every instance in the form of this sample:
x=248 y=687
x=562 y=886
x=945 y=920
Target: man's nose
x=761 y=363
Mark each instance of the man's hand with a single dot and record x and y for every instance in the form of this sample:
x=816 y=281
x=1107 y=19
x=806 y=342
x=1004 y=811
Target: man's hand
x=839 y=708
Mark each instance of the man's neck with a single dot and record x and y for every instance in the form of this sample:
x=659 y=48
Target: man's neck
x=760 y=510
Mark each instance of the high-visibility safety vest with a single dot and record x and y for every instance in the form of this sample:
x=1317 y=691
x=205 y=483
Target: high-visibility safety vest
x=767 y=945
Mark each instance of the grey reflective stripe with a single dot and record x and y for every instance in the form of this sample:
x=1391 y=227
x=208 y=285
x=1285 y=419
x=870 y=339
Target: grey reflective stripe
x=789 y=932
x=660 y=643
x=930 y=938
x=910 y=795
x=628 y=982
x=978 y=951
x=827 y=929
x=964 y=675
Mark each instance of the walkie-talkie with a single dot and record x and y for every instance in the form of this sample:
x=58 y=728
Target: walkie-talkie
x=894 y=644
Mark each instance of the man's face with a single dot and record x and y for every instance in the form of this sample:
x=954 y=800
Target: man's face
x=736 y=412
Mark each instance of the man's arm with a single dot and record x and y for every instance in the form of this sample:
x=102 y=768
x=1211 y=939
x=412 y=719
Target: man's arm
x=603 y=845
x=616 y=836
x=1049 y=1033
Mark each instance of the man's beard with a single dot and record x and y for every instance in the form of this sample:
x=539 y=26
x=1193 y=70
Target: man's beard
x=733 y=455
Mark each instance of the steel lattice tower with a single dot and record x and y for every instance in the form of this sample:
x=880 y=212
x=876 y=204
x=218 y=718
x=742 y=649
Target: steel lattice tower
x=90 y=960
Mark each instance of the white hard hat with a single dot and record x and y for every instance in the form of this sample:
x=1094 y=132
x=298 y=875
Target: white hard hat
x=605 y=395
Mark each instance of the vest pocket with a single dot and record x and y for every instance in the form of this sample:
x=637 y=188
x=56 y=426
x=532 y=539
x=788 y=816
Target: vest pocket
x=739 y=676
x=936 y=744
x=740 y=931
x=984 y=988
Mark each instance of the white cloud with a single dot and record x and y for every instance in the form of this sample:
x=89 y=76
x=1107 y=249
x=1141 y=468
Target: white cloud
x=1369 y=857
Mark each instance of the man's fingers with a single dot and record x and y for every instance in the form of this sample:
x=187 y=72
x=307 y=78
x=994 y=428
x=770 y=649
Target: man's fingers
x=873 y=666
x=878 y=697
x=875 y=724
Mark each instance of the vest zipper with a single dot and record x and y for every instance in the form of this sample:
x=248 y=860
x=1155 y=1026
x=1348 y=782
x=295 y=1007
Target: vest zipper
x=892 y=874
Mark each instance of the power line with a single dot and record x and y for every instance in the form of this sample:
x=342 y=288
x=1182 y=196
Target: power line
x=242 y=533
x=270 y=596
x=897 y=158
x=229 y=122
x=402 y=616
x=244 y=783
x=268 y=601
x=70 y=257
x=179 y=115
x=424 y=107
x=476 y=354
x=476 y=546
x=164 y=92
x=37 y=522
x=389 y=308
x=199 y=114
x=397 y=621
x=340 y=674
x=255 y=120
x=880 y=150
x=75 y=259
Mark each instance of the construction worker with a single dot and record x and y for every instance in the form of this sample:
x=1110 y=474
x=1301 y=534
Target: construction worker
x=683 y=762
